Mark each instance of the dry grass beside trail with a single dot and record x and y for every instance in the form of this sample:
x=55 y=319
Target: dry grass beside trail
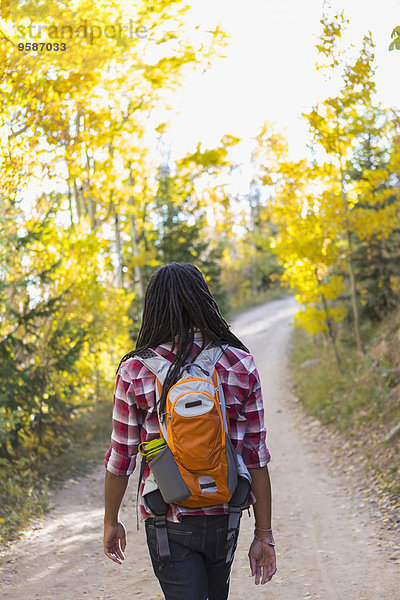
x=358 y=410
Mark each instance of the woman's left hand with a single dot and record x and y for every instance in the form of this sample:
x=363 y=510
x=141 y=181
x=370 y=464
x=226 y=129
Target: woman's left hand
x=262 y=561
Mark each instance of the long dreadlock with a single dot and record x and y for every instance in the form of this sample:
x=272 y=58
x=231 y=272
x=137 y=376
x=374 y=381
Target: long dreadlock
x=178 y=302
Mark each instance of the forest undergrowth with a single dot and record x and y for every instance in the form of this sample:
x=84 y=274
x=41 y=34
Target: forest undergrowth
x=26 y=485
x=359 y=407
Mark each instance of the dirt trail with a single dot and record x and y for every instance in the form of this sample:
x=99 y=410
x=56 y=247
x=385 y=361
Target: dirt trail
x=328 y=548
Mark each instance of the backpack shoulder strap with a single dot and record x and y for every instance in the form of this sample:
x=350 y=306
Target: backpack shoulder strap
x=209 y=356
x=156 y=363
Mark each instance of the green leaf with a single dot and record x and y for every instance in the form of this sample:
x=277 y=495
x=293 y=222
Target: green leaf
x=396 y=32
x=395 y=44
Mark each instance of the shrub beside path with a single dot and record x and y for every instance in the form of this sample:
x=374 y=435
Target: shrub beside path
x=328 y=546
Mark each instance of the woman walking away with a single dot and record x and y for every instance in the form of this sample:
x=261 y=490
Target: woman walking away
x=189 y=399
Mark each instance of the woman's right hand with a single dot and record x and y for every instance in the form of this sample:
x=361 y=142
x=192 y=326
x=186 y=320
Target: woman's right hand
x=115 y=541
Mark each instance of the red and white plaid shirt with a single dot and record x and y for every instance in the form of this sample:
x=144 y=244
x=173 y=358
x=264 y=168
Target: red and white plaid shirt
x=135 y=418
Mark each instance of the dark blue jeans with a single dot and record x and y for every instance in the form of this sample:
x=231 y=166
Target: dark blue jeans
x=197 y=569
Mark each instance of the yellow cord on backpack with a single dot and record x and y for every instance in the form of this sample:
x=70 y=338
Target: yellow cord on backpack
x=152 y=449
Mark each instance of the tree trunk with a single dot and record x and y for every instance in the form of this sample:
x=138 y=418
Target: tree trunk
x=92 y=214
x=349 y=254
x=353 y=292
x=254 y=201
x=119 y=279
x=331 y=333
x=97 y=374
x=91 y=206
x=77 y=201
x=135 y=241
x=70 y=205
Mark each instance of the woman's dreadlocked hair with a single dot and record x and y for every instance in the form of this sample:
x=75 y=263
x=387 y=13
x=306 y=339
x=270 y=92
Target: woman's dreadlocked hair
x=178 y=302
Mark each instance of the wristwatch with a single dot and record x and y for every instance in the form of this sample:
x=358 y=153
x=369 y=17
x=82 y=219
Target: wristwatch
x=265 y=541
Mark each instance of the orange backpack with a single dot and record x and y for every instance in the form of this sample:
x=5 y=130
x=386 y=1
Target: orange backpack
x=196 y=430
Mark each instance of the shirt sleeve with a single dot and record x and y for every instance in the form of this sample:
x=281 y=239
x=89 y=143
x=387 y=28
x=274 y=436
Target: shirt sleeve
x=255 y=452
x=127 y=419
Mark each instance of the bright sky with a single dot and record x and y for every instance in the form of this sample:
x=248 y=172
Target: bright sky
x=269 y=72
